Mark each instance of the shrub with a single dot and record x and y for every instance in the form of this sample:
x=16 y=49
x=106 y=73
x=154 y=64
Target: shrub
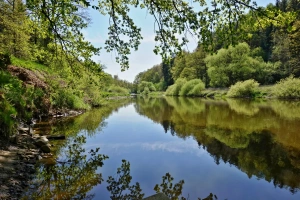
x=144 y=84
x=146 y=91
x=196 y=91
x=246 y=88
x=4 y=60
x=170 y=90
x=188 y=87
x=7 y=111
x=178 y=85
x=65 y=98
x=118 y=89
x=288 y=88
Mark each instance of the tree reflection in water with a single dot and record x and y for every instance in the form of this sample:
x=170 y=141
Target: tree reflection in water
x=260 y=138
x=74 y=175
x=70 y=178
x=120 y=188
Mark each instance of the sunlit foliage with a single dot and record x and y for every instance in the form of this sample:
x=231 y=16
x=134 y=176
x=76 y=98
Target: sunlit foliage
x=245 y=89
x=288 y=88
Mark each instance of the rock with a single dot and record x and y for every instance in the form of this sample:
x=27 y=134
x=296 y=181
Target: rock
x=73 y=112
x=13 y=139
x=21 y=129
x=45 y=149
x=44 y=138
x=39 y=157
x=30 y=146
x=40 y=142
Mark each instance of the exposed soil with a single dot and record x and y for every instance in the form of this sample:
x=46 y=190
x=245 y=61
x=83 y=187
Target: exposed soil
x=28 y=77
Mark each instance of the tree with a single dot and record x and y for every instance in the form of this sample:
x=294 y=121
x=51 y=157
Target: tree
x=63 y=22
x=195 y=60
x=166 y=70
x=294 y=37
x=179 y=65
x=146 y=85
x=234 y=64
x=14 y=28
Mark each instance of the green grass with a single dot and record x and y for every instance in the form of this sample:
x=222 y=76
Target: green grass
x=29 y=65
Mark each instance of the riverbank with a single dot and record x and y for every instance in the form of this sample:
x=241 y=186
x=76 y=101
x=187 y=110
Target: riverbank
x=20 y=153
x=18 y=157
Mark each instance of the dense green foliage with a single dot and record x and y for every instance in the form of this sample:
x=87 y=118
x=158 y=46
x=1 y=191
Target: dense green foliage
x=145 y=86
x=58 y=26
x=288 y=88
x=266 y=51
x=153 y=75
x=248 y=88
x=117 y=89
x=175 y=89
x=39 y=90
x=191 y=88
x=182 y=87
x=235 y=64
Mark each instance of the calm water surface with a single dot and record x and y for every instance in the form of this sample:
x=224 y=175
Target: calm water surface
x=232 y=148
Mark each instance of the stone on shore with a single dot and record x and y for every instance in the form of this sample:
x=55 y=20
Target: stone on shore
x=45 y=149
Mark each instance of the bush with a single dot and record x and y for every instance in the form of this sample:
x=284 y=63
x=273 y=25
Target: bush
x=288 y=88
x=7 y=111
x=188 y=87
x=178 y=85
x=170 y=90
x=146 y=91
x=118 y=89
x=65 y=98
x=4 y=60
x=248 y=88
x=174 y=90
x=142 y=86
x=196 y=91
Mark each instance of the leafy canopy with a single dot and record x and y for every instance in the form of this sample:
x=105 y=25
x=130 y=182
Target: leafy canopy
x=63 y=21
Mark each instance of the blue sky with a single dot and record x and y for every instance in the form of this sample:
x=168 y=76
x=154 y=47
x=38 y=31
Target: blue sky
x=140 y=60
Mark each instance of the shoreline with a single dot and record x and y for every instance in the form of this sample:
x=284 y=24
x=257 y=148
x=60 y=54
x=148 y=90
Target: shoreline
x=19 y=155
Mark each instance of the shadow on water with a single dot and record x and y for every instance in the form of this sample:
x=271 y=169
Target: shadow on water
x=260 y=138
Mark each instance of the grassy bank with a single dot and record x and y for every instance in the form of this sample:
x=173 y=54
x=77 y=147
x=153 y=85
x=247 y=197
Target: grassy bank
x=30 y=90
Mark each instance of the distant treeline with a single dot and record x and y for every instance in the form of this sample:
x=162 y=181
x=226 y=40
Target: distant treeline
x=267 y=54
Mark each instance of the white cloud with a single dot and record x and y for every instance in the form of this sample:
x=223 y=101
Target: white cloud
x=188 y=146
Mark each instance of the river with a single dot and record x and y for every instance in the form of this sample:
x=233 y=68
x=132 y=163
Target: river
x=234 y=149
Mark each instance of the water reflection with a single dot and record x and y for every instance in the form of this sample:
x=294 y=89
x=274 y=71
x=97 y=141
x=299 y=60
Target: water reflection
x=72 y=172
x=71 y=177
x=260 y=138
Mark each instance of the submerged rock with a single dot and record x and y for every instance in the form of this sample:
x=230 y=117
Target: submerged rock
x=46 y=149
